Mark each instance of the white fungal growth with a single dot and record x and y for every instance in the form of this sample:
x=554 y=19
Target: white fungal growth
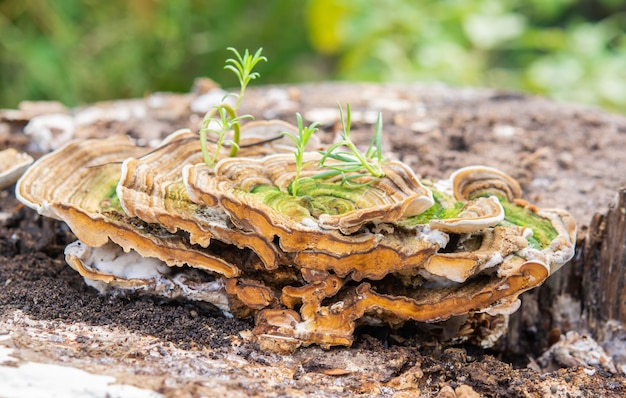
x=111 y=259
x=132 y=272
x=435 y=236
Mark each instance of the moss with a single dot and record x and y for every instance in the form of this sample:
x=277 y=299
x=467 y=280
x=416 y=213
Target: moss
x=543 y=231
x=315 y=188
x=314 y=198
x=281 y=201
x=318 y=198
x=444 y=207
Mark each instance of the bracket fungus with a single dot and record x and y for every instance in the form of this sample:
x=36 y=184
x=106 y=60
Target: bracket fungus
x=309 y=267
x=12 y=165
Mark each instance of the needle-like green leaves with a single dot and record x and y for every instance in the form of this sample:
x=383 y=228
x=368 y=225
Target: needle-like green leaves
x=242 y=67
x=300 y=141
x=228 y=121
x=351 y=163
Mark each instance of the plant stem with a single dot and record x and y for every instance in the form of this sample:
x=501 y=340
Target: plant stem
x=205 y=151
x=203 y=136
x=204 y=129
x=374 y=171
x=236 y=128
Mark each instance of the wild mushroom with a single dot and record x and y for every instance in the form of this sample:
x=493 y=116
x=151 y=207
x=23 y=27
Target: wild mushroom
x=249 y=190
x=62 y=173
x=12 y=165
x=250 y=295
x=309 y=267
x=474 y=254
x=333 y=205
x=334 y=323
x=77 y=184
x=475 y=215
x=472 y=181
x=151 y=189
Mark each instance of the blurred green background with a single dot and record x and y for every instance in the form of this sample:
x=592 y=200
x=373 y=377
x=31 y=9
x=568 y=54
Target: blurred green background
x=78 y=51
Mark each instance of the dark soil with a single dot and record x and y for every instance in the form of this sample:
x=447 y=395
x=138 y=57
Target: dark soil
x=36 y=280
x=564 y=156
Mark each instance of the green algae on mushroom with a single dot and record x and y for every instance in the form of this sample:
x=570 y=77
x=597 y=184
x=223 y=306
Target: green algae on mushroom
x=397 y=195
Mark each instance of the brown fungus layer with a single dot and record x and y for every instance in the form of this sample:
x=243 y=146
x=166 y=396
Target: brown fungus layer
x=311 y=267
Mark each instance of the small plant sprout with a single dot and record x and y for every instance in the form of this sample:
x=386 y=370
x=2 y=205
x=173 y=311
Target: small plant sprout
x=352 y=163
x=242 y=67
x=301 y=141
x=226 y=123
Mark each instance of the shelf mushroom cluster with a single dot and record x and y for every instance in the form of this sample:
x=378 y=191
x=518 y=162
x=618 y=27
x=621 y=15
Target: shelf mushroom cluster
x=311 y=267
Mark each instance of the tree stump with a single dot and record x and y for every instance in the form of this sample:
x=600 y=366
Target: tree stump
x=564 y=156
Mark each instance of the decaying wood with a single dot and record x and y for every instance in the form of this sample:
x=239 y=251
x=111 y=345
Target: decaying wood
x=586 y=293
x=604 y=266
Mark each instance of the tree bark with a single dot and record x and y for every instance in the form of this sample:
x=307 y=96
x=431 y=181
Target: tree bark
x=604 y=264
x=585 y=294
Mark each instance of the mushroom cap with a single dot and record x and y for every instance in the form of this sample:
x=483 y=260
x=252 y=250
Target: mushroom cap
x=12 y=165
x=77 y=184
x=562 y=247
x=148 y=240
x=365 y=254
x=494 y=245
x=251 y=293
x=108 y=267
x=61 y=174
x=110 y=264
x=151 y=189
x=397 y=195
x=477 y=214
x=483 y=269
x=471 y=181
x=334 y=323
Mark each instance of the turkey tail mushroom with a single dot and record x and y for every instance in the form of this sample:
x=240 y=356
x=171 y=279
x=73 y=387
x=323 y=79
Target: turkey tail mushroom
x=12 y=165
x=311 y=267
x=472 y=181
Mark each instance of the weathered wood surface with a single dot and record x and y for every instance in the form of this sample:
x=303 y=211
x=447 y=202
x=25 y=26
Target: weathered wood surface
x=587 y=295
x=604 y=266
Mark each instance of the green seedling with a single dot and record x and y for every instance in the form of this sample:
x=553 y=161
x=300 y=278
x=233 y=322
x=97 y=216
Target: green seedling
x=300 y=141
x=351 y=163
x=242 y=67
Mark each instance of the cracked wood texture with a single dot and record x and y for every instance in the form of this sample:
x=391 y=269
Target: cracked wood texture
x=602 y=264
x=586 y=293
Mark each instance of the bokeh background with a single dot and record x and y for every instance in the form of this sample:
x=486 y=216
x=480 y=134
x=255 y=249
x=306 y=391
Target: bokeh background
x=78 y=51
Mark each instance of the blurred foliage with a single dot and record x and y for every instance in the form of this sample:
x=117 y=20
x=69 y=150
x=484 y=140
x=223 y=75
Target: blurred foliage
x=85 y=50
x=569 y=50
